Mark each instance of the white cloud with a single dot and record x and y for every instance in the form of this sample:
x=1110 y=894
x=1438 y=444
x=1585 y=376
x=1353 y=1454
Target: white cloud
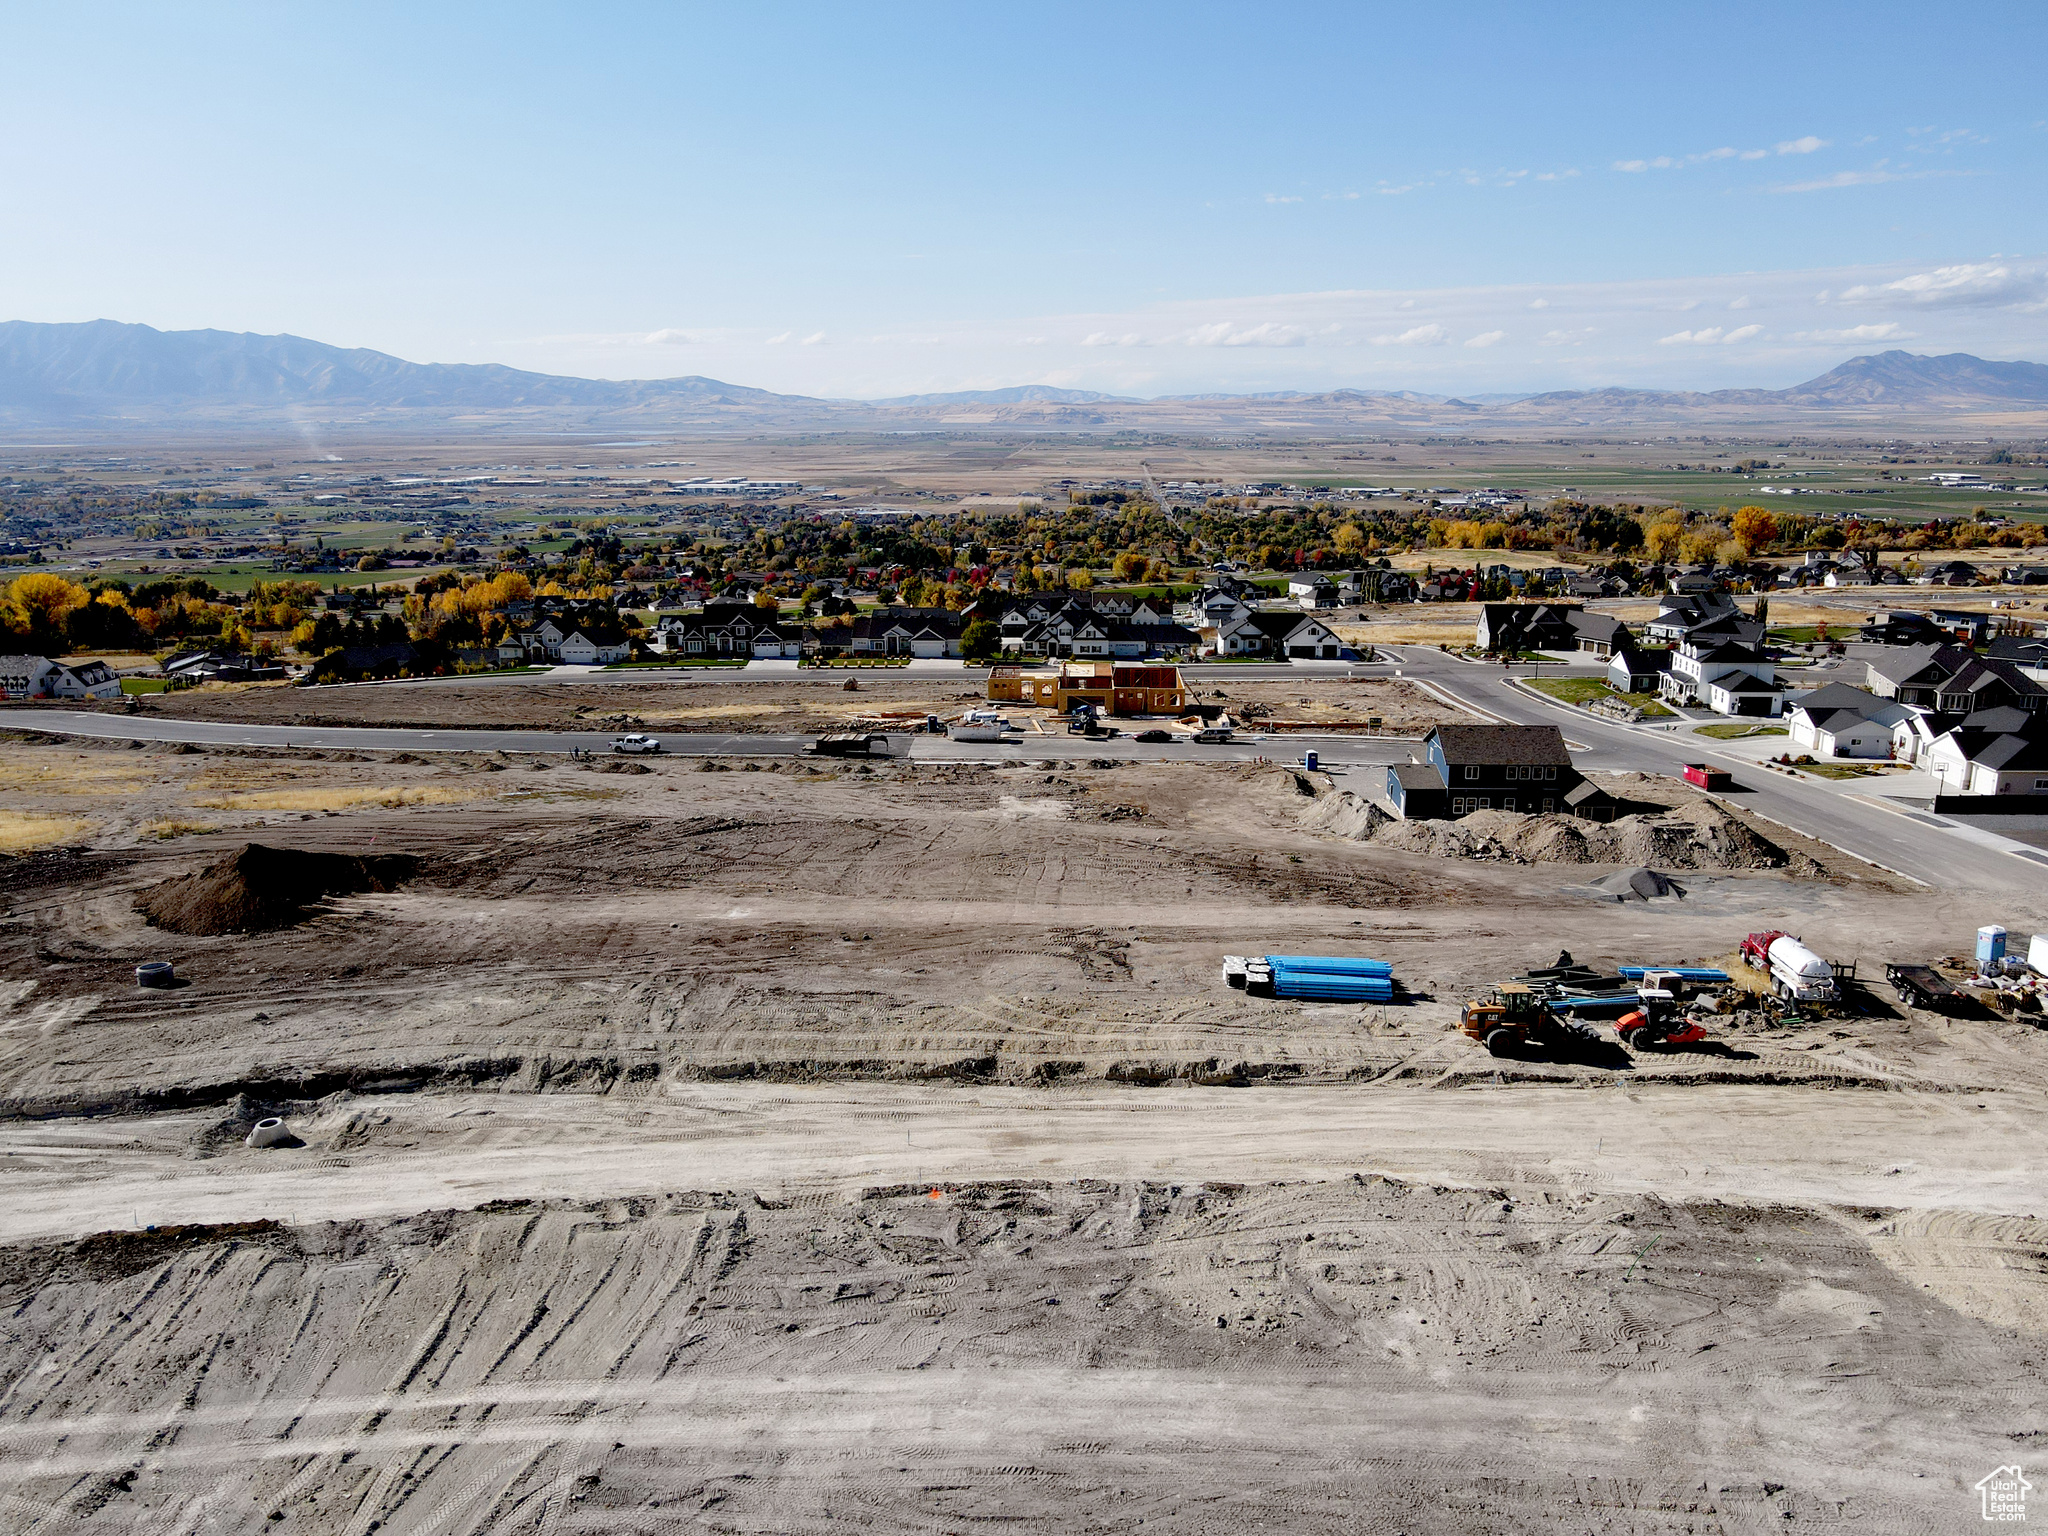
x=1846 y=179
x=1275 y=197
x=1754 y=154
x=1224 y=334
x=1539 y=303
x=1431 y=335
x=1979 y=284
x=1631 y=165
x=815 y=339
x=1488 y=339
x=1567 y=338
x=1710 y=336
x=1856 y=333
x=1723 y=153
x=671 y=338
x=776 y=341
x=1565 y=175
x=1740 y=301
x=1109 y=339
x=1803 y=146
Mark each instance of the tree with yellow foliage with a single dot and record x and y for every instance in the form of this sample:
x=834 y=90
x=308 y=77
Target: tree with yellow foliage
x=1756 y=528
x=34 y=609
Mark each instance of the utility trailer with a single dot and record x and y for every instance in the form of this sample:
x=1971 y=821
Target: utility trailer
x=1922 y=986
x=850 y=744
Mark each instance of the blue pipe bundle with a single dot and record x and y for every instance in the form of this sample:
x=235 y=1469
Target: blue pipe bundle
x=1684 y=972
x=1324 y=978
x=1597 y=1002
x=1337 y=965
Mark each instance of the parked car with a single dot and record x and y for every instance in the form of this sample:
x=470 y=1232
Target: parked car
x=635 y=743
x=1153 y=736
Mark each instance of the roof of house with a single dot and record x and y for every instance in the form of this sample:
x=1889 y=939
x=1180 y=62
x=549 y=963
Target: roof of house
x=1583 y=791
x=1824 y=704
x=14 y=664
x=1509 y=744
x=1747 y=684
x=1416 y=775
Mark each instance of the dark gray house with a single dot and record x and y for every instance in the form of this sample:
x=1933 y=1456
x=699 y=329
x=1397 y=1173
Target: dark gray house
x=1470 y=768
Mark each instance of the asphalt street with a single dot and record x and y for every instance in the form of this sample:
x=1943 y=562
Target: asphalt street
x=1923 y=847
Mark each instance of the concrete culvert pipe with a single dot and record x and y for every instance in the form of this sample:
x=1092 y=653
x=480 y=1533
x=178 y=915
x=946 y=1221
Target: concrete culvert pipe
x=154 y=973
x=268 y=1133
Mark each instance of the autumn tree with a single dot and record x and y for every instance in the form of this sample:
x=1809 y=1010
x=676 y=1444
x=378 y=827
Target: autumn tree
x=1756 y=528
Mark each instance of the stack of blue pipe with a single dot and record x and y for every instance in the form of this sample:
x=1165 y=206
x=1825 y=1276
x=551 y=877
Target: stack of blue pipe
x=1332 y=978
x=1683 y=972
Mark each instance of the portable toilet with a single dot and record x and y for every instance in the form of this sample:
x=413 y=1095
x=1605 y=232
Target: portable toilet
x=1990 y=946
x=1309 y=759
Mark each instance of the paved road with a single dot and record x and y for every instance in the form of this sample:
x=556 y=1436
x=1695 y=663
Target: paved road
x=1337 y=751
x=1926 y=848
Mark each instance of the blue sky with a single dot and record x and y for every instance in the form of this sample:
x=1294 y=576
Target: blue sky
x=1144 y=199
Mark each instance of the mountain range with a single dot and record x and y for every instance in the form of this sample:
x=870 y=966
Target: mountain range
x=105 y=374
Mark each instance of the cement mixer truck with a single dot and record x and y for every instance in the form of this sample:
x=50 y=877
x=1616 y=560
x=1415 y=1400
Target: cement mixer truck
x=1797 y=973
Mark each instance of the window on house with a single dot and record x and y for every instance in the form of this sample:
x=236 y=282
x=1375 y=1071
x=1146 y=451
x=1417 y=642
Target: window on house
x=1484 y=802
x=1472 y=772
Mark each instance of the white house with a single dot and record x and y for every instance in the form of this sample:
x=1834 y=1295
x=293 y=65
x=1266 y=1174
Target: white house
x=1279 y=632
x=578 y=650
x=38 y=677
x=1994 y=752
x=1312 y=591
x=1729 y=677
x=1841 y=721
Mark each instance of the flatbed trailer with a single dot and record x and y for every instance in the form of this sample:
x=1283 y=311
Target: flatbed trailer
x=1922 y=986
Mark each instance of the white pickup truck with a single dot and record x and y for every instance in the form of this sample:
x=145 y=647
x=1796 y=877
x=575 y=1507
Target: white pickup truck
x=635 y=743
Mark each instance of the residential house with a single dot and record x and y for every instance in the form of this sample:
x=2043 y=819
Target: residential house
x=1312 y=591
x=1281 y=632
x=1949 y=573
x=38 y=677
x=1730 y=677
x=1486 y=767
x=2027 y=652
x=1680 y=615
x=2001 y=751
x=1949 y=680
x=1841 y=720
x=2023 y=575
x=1510 y=627
x=597 y=649
x=929 y=632
x=1630 y=670
x=728 y=629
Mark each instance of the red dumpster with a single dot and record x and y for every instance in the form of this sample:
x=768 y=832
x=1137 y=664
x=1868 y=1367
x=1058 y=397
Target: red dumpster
x=1706 y=777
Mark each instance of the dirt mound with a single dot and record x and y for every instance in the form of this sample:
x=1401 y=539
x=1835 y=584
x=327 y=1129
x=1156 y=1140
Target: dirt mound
x=259 y=888
x=1343 y=814
x=1701 y=836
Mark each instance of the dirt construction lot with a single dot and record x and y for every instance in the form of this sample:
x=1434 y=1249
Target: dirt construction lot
x=760 y=1148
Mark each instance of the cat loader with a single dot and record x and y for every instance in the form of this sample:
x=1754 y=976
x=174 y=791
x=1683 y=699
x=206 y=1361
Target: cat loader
x=1515 y=1021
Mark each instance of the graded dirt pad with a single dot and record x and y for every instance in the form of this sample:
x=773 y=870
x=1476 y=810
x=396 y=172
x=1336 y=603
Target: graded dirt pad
x=473 y=1299
x=1074 y=1356
x=258 y=888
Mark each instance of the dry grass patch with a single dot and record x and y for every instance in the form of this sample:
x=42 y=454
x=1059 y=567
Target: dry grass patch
x=71 y=773
x=25 y=831
x=164 y=831
x=346 y=798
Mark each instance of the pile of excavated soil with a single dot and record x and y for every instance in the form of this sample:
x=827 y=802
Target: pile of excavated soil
x=1696 y=836
x=259 y=888
x=1701 y=836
